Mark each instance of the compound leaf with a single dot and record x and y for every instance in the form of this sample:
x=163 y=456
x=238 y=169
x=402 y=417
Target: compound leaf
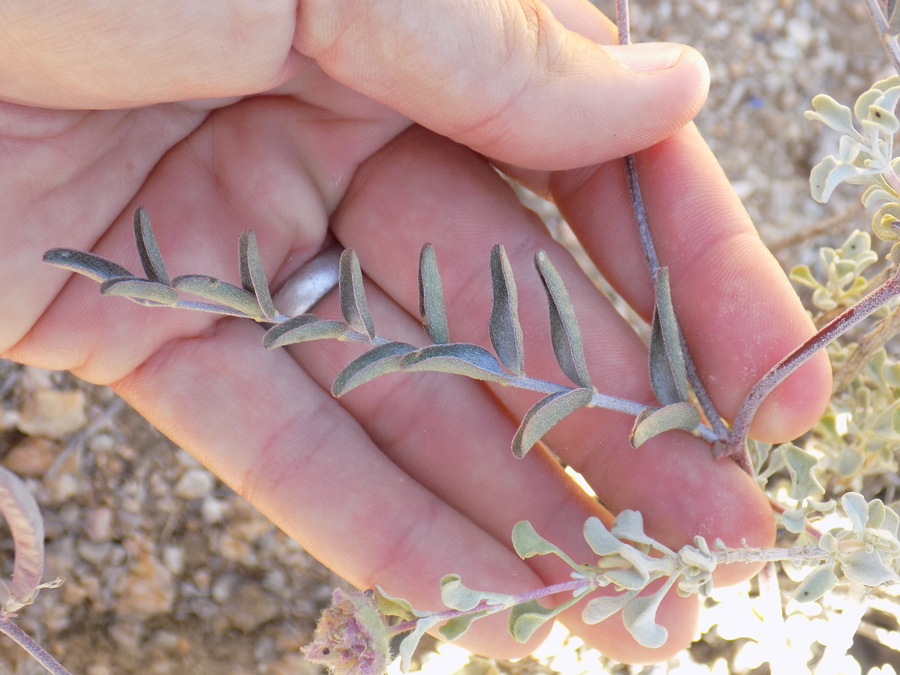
x=377 y=361
x=148 y=249
x=253 y=277
x=220 y=292
x=431 y=297
x=92 y=266
x=564 y=332
x=682 y=416
x=141 y=291
x=303 y=328
x=506 y=331
x=544 y=414
x=353 y=295
x=459 y=358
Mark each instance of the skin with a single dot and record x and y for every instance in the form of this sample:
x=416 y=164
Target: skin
x=377 y=123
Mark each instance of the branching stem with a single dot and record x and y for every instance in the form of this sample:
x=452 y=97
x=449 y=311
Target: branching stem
x=737 y=443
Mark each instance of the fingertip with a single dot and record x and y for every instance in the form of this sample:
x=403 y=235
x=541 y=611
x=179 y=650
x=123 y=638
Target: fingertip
x=796 y=404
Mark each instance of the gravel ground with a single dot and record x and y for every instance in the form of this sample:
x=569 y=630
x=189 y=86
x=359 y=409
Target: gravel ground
x=168 y=571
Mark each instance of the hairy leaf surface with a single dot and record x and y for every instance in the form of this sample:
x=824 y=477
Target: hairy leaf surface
x=505 y=329
x=431 y=297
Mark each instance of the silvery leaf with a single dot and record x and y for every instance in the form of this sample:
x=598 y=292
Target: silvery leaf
x=833 y=114
x=377 y=361
x=92 y=266
x=431 y=297
x=639 y=617
x=802 y=467
x=148 y=249
x=546 y=413
x=682 y=416
x=527 y=542
x=816 y=584
x=668 y=373
x=353 y=295
x=303 y=328
x=564 y=332
x=141 y=291
x=456 y=595
x=603 y=607
x=220 y=292
x=857 y=510
x=253 y=278
x=527 y=617
x=505 y=329
x=459 y=358
x=457 y=626
x=828 y=174
x=867 y=568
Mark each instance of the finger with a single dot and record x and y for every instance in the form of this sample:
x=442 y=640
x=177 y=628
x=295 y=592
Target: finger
x=74 y=54
x=507 y=78
x=725 y=283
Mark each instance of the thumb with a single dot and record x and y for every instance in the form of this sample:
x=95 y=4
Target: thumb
x=506 y=77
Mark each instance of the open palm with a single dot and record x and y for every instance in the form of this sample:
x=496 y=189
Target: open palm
x=371 y=123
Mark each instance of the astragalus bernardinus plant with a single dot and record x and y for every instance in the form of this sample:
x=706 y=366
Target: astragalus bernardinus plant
x=831 y=533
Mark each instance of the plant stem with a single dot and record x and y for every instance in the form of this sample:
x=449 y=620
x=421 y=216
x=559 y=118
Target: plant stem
x=573 y=586
x=652 y=259
x=881 y=27
x=27 y=643
x=737 y=442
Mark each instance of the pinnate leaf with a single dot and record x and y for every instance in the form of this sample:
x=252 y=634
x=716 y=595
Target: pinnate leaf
x=303 y=328
x=459 y=358
x=564 y=332
x=253 y=277
x=92 y=266
x=377 y=361
x=505 y=329
x=682 y=416
x=544 y=414
x=148 y=248
x=220 y=292
x=353 y=295
x=431 y=297
x=141 y=291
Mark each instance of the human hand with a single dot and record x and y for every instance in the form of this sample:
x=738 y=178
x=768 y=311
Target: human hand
x=373 y=123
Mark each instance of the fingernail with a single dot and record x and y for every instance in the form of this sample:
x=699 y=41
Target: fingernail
x=646 y=56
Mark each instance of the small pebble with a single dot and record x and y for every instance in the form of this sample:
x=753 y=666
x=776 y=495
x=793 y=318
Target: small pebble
x=54 y=414
x=195 y=484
